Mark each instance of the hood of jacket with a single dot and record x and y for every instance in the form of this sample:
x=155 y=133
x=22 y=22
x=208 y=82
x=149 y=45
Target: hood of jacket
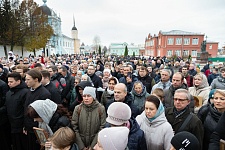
x=82 y=85
x=204 y=81
x=45 y=109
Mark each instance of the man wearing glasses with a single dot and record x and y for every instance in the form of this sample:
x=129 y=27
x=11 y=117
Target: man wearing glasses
x=181 y=118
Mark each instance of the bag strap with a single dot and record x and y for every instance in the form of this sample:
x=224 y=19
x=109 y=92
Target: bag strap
x=186 y=121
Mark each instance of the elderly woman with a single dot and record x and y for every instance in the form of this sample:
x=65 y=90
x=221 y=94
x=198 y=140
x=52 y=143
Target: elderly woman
x=219 y=82
x=106 y=76
x=139 y=95
x=158 y=131
x=200 y=89
x=210 y=115
x=88 y=119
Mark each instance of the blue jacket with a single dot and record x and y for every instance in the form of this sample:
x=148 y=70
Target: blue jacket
x=211 y=77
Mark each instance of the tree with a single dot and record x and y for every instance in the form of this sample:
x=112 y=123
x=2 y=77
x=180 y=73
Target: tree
x=104 y=50
x=99 y=50
x=126 y=52
x=96 y=42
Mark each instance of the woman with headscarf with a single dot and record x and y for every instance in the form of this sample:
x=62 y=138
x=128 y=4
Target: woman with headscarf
x=139 y=95
x=200 y=89
x=158 y=131
x=210 y=115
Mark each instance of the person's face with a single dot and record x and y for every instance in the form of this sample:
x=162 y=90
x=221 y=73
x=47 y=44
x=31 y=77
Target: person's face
x=180 y=101
x=30 y=81
x=165 y=76
x=106 y=74
x=51 y=72
x=142 y=73
x=138 y=68
x=111 y=85
x=76 y=82
x=126 y=70
x=150 y=109
x=91 y=70
x=149 y=69
x=184 y=71
x=79 y=74
x=223 y=74
x=214 y=71
x=191 y=67
x=98 y=146
x=177 y=63
x=176 y=81
x=197 y=80
x=84 y=78
x=119 y=94
x=44 y=81
x=138 y=88
x=219 y=101
x=12 y=82
x=81 y=91
x=87 y=99
x=21 y=72
x=121 y=70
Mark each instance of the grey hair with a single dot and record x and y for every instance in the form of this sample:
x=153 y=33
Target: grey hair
x=167 y=70
x=187 y=94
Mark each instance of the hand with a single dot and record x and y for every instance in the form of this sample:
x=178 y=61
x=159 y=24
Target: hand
x=48 y=145
x=129 y=80
x=24 y=131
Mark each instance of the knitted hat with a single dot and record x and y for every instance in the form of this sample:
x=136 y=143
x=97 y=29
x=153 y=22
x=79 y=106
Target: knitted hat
x=90 y=91
x=118 y=113
x=185 y=140
x=114 y=138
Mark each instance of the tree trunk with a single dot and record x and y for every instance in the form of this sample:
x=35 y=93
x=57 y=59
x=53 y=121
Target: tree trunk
x=22 y=50
x=5 y=50
x=12 y=46
x=34 y=52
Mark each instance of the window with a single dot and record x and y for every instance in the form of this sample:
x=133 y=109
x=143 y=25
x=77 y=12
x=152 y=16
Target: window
x=178 y=41
x=185 y=52
x=195 y=41
x=169 y=53
x=210 y=46
x=177 y=52
x=194 y=53
x=186 y=41
x=170 y=41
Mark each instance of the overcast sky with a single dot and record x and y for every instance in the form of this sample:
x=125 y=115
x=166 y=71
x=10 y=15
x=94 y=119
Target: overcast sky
x=132 y=20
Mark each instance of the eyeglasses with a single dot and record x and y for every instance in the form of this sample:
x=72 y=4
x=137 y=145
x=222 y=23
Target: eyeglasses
x=179 y=99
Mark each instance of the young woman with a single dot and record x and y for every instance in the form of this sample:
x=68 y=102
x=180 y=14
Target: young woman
x=158 y=131
x=201 y=89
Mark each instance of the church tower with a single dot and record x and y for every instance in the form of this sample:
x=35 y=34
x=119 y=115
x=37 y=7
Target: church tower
x=74 y=35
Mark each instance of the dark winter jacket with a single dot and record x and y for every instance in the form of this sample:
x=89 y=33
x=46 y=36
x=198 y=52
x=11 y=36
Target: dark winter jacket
x=211 y=77
x=66 y=92
x=192 y=72
x=209 y=117
x=129 y=85
x=55 y=93
x=107 y=98
x=3 y=90
x=147 y=81
x=194 y=126
x=136 y=138
x=218 y=134
x=96 y=80
x=14 y=104
x=40 y=93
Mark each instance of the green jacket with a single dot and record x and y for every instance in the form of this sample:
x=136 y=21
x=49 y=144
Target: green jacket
x=87 y=121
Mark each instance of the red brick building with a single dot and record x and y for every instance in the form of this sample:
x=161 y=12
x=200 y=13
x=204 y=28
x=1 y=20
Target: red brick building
x=176 y=42
x=212 y=48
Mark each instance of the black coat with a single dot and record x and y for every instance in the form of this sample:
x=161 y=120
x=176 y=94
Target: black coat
x=66 y=92
x=194 y=126
x=209 y=117
x=3 y=90
x=136 y=138
x=96 y=80
x=55 y=93
x=147 y=82
x=15 y=99
x=218 y=134
x=41 y=93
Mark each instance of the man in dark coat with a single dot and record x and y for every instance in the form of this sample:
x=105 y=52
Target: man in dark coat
x=36 y=92
x=14 y=106
x=4 y=123
x=180 y=114
x=192 y=70
x=55 y=93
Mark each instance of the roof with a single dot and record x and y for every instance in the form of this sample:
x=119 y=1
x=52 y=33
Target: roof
x=179 y=32
x=46 y=10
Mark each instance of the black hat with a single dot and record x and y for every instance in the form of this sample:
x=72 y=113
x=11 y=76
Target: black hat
x=1 y=66
x=185 y=140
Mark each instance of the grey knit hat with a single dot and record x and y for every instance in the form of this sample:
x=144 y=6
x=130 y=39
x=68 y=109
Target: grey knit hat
x=118 y=113
x=90 y=91
x=114 y=138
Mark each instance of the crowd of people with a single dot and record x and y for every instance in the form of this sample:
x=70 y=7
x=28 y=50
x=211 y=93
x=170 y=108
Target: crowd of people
x=113 y=103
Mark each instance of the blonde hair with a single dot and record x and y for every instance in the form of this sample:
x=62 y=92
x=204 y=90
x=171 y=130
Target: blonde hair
x=221 y=92
x=63 y=137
